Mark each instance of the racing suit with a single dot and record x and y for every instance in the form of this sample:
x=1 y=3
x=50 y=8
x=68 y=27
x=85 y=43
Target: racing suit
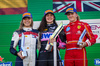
x=46 y=57
x=74 y=55
x=31 y=36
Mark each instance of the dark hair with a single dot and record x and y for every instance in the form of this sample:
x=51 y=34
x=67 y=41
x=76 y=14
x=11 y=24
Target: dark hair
x=43 y=23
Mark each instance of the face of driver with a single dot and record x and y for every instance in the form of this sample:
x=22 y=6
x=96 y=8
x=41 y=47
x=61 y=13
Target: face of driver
x=72 y=16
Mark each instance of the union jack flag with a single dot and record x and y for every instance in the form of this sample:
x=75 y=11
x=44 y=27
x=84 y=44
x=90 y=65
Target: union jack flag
x=80 y=5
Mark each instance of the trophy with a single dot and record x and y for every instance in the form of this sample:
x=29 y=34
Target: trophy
x=49 y=45
x=24 y=53
x=81 y=37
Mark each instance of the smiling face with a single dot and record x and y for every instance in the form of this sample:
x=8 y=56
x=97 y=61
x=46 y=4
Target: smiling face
x=27 y=22
x=49 y=18
x=72 y=16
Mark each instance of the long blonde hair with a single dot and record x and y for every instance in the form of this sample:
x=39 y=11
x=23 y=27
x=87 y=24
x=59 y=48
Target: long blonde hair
x=22 y=24
x=78 y=17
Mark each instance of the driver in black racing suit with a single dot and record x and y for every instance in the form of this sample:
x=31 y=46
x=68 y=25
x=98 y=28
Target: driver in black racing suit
x=46 y=29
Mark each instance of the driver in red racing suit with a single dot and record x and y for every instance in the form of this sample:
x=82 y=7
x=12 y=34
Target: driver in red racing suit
x=76 y=54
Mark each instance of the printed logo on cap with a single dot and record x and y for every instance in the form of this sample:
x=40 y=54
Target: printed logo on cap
x=69 y=9
x=26 y=14
x=49 y=11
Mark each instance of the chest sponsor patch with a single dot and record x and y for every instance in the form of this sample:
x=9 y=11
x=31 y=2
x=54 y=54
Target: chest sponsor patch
x=45 y=36
x=68 y=28
x=68 y=33
x=45 y=29
x=78 y=26
x=78 y=32
x=26 y=36
x=34 y=36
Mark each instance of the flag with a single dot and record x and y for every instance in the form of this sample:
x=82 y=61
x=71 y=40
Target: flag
x=80 y=5
x=13 y=6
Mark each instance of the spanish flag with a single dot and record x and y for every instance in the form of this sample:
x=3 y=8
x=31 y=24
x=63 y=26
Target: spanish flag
x=13 y=7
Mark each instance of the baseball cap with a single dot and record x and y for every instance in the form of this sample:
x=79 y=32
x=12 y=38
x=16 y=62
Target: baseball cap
x=70 y=9
x=26 y=14
x=48 y=11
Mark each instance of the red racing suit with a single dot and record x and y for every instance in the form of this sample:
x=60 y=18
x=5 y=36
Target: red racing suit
x=76 y=56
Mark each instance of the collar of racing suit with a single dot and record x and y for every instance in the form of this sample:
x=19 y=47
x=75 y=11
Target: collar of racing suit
x=51 y=27
x=27 y=29
x=73 y=23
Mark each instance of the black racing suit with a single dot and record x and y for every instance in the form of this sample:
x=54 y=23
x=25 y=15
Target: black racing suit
x=46 y=57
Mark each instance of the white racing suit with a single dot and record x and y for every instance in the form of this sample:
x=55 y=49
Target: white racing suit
x=30 y=45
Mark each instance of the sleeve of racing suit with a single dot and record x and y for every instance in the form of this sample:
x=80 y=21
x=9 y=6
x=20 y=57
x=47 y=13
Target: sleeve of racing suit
x=14 y=42
x=61 y=40
x=91 y=38
x=39 y=43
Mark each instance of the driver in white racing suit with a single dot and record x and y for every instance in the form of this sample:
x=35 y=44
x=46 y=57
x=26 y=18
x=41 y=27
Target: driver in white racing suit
x=30 y=42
